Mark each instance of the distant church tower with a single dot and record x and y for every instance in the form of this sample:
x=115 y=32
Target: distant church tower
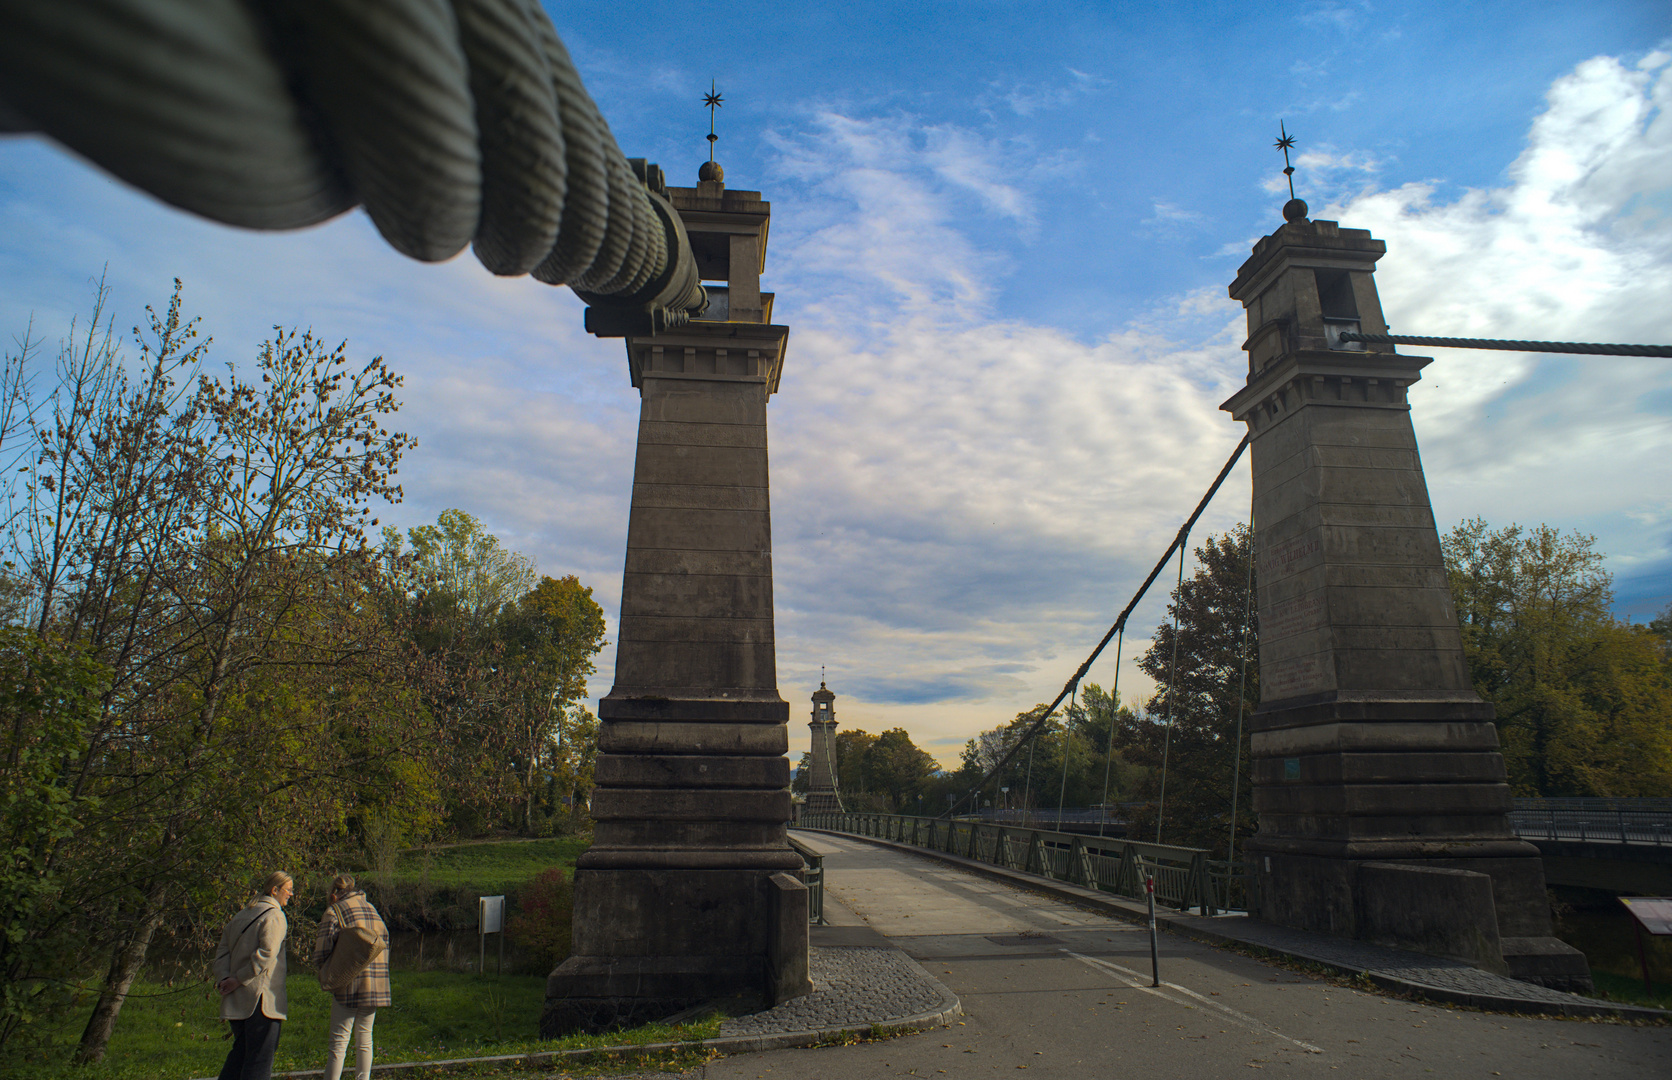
x=821 y=788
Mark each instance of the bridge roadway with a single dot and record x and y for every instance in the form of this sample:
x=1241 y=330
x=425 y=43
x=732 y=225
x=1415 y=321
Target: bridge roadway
x=1064 y=994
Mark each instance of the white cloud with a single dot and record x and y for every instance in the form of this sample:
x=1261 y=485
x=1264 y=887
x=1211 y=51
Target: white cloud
x=1576 y=246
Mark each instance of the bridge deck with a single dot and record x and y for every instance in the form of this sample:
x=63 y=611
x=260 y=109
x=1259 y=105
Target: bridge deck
x=1069 y=1007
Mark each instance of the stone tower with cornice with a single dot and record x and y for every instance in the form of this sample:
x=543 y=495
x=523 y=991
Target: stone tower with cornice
x=1377 y=775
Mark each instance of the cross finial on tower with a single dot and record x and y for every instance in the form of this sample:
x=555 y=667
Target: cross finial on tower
x=1294 y=209
x=821 y=676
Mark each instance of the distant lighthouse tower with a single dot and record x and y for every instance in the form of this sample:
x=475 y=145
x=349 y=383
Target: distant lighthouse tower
x=821 y=789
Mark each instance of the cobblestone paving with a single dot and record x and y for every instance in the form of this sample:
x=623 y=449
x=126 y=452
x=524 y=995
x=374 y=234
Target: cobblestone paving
x=1394 y=963
x=852 y=987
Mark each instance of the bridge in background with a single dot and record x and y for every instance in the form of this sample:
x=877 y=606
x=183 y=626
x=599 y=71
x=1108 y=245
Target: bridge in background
x=1619 y=845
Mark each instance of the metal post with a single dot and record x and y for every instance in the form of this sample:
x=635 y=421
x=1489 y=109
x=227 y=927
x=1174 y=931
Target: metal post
x=1643 y=960
x=1154 y=946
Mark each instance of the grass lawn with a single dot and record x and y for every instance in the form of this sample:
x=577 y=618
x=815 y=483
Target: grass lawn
x=437 y=1014
x=489 y=869
x=1630 y=990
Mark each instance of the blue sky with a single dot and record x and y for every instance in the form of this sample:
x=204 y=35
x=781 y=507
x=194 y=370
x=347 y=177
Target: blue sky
x=1001 y=236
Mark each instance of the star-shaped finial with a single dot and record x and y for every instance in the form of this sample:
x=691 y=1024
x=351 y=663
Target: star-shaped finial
x=713 y=101
x=1285 y=142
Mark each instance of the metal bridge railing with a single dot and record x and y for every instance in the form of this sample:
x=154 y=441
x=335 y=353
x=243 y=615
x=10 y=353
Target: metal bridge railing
x=812 y=875
x=1184 y=877
x=1592 y=824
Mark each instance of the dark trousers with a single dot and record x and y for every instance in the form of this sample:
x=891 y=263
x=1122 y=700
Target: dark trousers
x=254 y=1042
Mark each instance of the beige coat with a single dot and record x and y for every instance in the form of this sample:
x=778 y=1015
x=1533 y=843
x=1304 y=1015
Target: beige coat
x=253 y=953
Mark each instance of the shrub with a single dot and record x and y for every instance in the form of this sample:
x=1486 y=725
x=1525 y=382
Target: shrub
x=545 y=913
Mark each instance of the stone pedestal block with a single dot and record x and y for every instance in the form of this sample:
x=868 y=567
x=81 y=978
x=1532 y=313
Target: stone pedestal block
x=787 y=959
x=1438 y=910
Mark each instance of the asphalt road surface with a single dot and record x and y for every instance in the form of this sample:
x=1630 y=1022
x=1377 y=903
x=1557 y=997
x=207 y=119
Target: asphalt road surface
x=1064 y=993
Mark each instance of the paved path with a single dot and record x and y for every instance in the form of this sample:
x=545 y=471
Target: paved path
x=1063 y=992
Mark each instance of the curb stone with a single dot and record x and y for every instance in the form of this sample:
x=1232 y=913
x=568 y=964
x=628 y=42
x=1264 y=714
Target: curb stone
x=1192 y=926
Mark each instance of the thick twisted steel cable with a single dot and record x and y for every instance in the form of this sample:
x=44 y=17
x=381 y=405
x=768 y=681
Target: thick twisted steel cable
x=1583 y=347
x=452 y=121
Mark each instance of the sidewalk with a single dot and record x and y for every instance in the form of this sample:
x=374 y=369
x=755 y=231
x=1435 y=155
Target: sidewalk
x=1396 y=970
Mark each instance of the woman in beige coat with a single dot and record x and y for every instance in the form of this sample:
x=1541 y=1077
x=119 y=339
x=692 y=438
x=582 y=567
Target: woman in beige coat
x=249 y=972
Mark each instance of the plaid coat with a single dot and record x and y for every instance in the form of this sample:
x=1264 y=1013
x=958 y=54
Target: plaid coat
x=370 y=989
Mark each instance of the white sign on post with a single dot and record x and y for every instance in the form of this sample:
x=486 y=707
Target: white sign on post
x=490 y=919
x=491 y=910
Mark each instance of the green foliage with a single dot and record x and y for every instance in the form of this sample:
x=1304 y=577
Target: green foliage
x=509 y=657
x=551 y=635
x=490 y=868
x=1036 y=777
x=49 y=700
x=545 y=916
x=878 y=772
x=200 y=536
x=465 y=568
x=1584 y=700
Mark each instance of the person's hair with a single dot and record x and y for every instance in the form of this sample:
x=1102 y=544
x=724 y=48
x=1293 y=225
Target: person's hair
x=276 y=880
x=342 y=884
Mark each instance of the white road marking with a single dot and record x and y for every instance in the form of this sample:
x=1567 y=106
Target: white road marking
x=1132 y=979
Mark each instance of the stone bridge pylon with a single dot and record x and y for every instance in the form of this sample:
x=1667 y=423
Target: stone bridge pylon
x=1377 y=775
x=689 y=892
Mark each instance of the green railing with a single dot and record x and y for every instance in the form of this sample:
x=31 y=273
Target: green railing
x=1184 y=877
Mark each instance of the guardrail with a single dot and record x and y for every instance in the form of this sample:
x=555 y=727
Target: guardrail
x=1591 y=802
x=1593 y=825
x=812 y=875
x=1184 y=877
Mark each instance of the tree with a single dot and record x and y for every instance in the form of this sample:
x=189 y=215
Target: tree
x=853 y=778
x=465 y=568
x=552 y=633
x=1583 y=700
x=49 y=700
x=202 y=539
x=896 y=766
x=1186 y=736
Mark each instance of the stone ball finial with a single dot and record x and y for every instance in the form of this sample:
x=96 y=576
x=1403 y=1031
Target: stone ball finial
x=711 y=171
x=1294 y=210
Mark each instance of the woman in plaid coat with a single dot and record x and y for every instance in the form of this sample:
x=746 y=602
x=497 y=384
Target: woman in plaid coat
x=354 y=1007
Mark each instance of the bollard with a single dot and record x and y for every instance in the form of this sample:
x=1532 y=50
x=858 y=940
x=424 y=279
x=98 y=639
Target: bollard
x=1154 y=949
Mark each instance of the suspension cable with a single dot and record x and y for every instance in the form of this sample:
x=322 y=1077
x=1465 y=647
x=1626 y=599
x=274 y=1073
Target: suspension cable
x=1114 y=718
x=1586 y=348
x=1119 y=625
x=452 y=122
x=1062 y=791
x=1172 y=686
x=1242 y=692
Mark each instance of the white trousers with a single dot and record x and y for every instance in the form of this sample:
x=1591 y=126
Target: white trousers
x=346 y=1021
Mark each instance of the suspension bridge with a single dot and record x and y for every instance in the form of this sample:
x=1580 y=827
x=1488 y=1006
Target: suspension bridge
x=1376 y=776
